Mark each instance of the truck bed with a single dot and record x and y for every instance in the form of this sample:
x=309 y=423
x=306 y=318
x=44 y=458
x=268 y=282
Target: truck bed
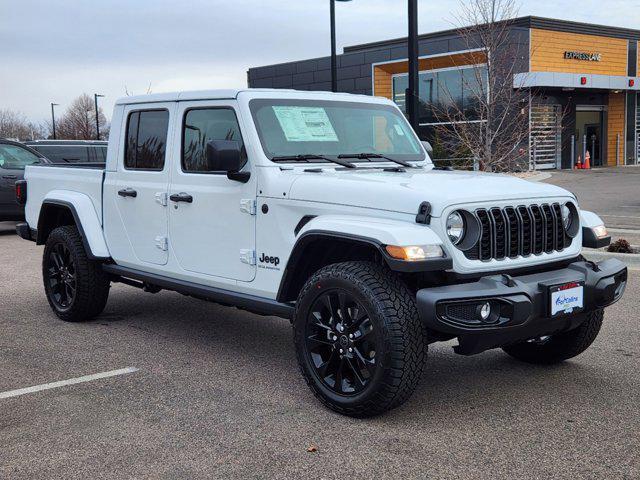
x=58 y=181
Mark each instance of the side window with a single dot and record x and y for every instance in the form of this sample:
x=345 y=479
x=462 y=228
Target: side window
x=146 y=141
x=201 y=125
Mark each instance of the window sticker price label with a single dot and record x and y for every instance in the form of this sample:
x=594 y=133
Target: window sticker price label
x=305 y=124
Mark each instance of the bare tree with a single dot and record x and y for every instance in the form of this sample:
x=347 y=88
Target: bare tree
x=490 y=123
x=16 y=126
x=79 y=121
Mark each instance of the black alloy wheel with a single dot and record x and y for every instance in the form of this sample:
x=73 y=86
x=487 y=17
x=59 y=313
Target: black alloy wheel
x=62 y=276
x=341 y=342
x=77 y=288
x=359 y=340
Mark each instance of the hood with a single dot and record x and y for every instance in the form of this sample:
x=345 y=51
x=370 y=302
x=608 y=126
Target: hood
x=404 y=191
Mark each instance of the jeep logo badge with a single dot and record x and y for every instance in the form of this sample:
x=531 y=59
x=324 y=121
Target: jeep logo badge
x=264 y=258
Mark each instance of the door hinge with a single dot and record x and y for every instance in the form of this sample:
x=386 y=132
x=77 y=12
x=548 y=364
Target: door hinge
x=248 y=205
x=162 y=243
x=161 y=198
x=248 y=256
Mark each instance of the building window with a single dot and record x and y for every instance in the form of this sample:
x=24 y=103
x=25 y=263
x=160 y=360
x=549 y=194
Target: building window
x=451 y=90
x=632 y=59
x=146 y=142
x=202 y=125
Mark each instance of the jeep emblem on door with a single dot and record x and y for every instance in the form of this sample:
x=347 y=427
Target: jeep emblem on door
x=266 y=259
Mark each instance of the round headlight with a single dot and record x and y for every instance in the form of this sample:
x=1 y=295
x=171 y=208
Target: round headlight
x=567 y=216
x=455 y=227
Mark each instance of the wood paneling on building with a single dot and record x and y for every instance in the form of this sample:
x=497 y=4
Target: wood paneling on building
x=615 y=127
x=548 y=53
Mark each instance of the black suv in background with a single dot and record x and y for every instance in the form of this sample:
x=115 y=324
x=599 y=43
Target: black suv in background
x=14 y=157
x=71 y=151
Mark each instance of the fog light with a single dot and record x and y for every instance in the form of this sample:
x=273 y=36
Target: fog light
x=484 y=311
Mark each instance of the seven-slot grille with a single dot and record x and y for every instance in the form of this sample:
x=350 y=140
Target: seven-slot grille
x=510 y=232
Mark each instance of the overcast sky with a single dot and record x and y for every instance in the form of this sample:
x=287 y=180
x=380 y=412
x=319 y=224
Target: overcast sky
x=54 y=50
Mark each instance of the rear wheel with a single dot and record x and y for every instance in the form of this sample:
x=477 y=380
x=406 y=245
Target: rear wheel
x=557 y=348
x=359 y=341
x=77 y=289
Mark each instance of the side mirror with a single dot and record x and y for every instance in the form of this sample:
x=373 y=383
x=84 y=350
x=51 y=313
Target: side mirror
x=427 y=146
x=227 y=156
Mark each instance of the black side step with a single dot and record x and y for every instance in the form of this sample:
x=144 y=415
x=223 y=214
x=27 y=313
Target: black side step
x=263 y=306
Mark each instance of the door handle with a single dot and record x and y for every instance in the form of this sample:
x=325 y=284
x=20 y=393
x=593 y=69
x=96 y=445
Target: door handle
x=128 y=192
x=181 y=197
x=10 y=177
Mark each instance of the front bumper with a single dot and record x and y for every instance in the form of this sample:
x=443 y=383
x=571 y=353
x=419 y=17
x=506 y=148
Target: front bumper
x=519 y=305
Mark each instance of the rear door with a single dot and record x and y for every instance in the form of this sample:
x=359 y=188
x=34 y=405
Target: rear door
x=135 y=195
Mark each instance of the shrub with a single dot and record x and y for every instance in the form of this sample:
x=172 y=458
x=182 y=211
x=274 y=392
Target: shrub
x=620 y=246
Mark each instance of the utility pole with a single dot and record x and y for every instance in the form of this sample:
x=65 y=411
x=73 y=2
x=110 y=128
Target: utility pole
x=412 y=92
x=95 y=100
x=53 y=120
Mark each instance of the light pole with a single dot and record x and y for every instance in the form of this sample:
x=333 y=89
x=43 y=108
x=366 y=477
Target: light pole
x=95 y=100
x=334 y=66
x=412 y=92
x=53 y=120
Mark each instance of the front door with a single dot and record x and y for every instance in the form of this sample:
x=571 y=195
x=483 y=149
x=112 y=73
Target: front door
x=594 y=143
x=588 y=134
x=135 y=195
x=211 y=218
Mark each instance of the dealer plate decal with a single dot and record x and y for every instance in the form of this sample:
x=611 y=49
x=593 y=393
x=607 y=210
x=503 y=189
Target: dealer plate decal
x=567 y=298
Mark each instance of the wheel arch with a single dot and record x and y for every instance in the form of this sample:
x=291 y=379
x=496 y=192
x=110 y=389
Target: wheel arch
x=317 y=248
x=57 y=211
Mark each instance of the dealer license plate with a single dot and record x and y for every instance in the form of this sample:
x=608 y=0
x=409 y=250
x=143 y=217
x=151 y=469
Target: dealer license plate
x=567 y=298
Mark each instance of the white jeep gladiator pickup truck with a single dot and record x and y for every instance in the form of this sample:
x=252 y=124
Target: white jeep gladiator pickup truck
x=327 y=210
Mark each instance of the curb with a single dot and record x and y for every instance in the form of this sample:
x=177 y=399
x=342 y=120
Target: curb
x=631 y=260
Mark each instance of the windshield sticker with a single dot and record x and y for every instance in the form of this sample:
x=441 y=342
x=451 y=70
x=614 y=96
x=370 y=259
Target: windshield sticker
x=305 y=124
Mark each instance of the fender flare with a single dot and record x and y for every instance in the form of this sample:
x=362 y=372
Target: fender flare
x=588 y=220
x=374 y=232
x=85 y=217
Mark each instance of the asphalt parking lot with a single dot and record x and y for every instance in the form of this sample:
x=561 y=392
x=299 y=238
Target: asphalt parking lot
x=613 y=193
x=217 y=394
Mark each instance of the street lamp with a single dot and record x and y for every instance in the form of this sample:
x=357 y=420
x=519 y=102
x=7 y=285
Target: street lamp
x=95 y=100
x=53 y=120
x=334 y=67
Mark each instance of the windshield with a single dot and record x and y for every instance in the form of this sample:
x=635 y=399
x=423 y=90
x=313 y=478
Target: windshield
x=330 y=128
x=15 y=157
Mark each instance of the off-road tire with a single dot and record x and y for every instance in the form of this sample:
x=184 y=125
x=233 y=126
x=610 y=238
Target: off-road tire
x=92 y=283
x=392 y=312
x=561 y=346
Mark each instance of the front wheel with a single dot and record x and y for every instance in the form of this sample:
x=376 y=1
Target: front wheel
x=359 y=341
x=76 y=287
x=562 y=346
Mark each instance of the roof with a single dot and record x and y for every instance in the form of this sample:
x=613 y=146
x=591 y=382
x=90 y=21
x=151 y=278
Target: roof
x=214 y=95
x=175 y=96
x=520 y=22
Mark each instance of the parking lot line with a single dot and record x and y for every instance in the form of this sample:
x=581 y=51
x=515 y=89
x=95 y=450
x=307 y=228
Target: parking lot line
x=63 y=383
